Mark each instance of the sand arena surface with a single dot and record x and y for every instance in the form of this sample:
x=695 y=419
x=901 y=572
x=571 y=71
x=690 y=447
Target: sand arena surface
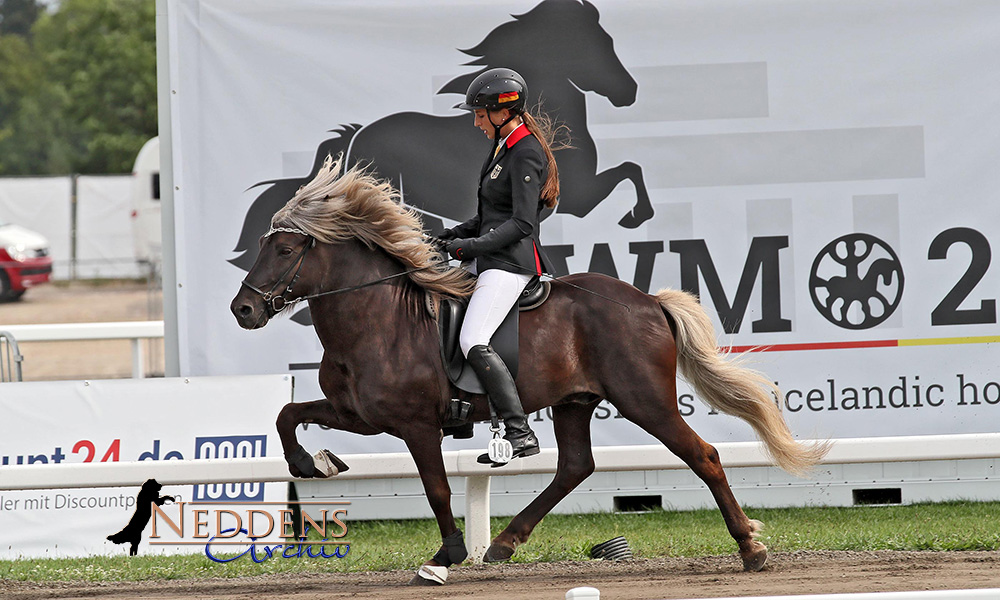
x=81 y=303
x=709 y=577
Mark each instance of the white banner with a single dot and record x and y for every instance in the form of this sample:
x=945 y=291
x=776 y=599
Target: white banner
x=104 y=245
x=821 y=173
x=131 y=420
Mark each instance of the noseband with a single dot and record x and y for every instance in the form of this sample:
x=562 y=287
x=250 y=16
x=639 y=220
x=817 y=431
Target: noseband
x=277 y=302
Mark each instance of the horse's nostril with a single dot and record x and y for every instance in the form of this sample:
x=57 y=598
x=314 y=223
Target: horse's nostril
x=245 y=310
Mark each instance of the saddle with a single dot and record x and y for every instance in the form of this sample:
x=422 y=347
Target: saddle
x=450 y=312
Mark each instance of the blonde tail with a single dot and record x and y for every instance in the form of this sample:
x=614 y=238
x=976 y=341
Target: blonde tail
x=733 y=389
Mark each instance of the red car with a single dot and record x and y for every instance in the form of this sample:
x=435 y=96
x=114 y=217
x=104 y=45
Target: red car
x=24 y=261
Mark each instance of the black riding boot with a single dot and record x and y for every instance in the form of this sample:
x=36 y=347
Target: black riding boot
x=500 y=388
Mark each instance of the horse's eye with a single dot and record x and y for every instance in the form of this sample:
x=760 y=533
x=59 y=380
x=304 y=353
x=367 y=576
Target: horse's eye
x=285 y=251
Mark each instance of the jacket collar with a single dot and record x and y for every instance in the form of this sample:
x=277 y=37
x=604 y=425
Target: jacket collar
x=519 y=133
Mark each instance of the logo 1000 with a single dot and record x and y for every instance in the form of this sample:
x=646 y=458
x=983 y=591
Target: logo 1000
x=230 y=446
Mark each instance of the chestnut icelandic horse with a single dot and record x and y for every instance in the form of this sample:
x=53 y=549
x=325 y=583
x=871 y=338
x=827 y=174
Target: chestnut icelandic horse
x=346 y=244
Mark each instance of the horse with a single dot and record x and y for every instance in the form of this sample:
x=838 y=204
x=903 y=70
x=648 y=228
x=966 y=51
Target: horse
x=562 y=51
x=359 y=257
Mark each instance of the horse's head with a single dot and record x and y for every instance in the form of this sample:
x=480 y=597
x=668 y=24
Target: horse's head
x=556 y=42
x=278 y=278
x=339 y=231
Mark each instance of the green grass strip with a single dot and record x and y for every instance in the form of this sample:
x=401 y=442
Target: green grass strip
x=388 y=545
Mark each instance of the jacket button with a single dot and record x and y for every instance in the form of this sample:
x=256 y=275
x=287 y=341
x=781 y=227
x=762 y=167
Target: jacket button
x=527 y=178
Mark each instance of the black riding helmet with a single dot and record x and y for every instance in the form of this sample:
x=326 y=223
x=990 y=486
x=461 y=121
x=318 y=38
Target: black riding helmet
x=496 y=89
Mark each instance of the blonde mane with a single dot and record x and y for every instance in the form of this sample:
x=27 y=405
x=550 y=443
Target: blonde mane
x=334 y=208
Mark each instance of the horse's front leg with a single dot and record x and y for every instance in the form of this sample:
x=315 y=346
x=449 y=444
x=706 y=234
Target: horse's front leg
x=588 y=192
x=321 y=412
x=424 y=444
x=643 y=210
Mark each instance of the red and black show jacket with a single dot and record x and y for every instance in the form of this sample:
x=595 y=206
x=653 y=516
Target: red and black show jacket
x=504 y=231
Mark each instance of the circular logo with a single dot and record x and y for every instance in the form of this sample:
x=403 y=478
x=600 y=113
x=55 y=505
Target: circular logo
x=856 y=281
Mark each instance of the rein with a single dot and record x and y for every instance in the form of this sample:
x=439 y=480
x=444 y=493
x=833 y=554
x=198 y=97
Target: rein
x=272 y=300
x=441 y=244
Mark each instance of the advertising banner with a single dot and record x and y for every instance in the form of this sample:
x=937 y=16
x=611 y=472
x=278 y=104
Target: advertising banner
x=51 y=423
x=821 y=173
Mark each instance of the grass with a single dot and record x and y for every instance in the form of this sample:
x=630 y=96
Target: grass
x=387 y=545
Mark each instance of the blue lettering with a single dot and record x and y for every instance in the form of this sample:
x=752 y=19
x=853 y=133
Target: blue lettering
x=267 y=551
x=208 y=550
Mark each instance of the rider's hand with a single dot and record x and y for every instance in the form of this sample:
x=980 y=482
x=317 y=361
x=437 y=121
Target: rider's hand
x=447 y=235
x=456 y=248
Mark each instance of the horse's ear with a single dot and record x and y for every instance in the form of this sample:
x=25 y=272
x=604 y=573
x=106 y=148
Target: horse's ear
x=591 y=9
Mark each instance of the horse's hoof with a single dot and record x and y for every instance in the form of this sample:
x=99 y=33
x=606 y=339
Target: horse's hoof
x=430 y=575
x=638 y=216
x=301 y=461
x=755 y=557
x=498 y=553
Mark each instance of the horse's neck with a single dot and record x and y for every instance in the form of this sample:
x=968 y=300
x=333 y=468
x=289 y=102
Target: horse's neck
x=354 y=313
x=567 y=104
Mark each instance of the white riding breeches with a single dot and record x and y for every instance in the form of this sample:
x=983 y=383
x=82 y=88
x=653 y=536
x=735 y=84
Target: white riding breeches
x=496 y=291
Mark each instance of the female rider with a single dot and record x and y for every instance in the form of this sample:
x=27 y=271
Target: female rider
x=518 y=180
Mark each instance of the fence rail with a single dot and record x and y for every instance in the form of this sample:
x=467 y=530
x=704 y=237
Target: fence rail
x=462 y=463
x=71 y=332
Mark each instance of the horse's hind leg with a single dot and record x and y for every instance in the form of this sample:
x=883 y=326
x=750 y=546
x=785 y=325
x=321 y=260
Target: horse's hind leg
x=665 y=423
x=576 y=462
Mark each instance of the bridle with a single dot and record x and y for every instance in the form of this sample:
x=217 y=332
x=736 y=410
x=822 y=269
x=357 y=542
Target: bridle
x=278 y=302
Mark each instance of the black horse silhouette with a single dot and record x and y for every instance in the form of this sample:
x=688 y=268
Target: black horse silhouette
x=562 y=51
x=132 y=533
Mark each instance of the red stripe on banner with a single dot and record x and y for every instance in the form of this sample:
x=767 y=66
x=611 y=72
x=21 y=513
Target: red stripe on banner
x=814 y=346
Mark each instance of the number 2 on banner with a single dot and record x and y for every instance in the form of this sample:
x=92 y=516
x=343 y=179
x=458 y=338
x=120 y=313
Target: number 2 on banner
x=500 y=451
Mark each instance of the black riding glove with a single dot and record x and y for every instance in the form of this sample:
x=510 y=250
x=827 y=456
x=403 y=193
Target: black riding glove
x=459 y=249
x=447 y=235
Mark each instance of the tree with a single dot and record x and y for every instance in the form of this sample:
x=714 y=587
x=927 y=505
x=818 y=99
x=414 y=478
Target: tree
x=17 y=16
x=88 y=102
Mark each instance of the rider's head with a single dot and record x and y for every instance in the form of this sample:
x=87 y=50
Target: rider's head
x=496 y=97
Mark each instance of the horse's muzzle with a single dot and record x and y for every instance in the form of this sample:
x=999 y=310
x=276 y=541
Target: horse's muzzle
x=249 y=310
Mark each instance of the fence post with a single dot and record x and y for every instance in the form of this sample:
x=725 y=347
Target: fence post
x=72 y=226
x=477 y=516
x=138 y=369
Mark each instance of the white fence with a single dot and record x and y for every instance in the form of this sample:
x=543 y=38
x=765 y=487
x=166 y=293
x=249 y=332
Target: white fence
x=463 y=463
x=69 y=332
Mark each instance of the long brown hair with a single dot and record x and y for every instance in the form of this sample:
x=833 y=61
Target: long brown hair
x=546 y=131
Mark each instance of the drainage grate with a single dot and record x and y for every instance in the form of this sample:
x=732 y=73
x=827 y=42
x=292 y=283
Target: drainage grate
x=878 y=496
x=638 y=503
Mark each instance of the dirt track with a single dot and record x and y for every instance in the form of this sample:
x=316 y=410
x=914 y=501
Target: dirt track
x=81 y=303
x=794 y=573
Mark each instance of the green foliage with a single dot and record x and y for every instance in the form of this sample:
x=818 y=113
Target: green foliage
x=81 y=95
x=390 y=545
x=17 y=16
